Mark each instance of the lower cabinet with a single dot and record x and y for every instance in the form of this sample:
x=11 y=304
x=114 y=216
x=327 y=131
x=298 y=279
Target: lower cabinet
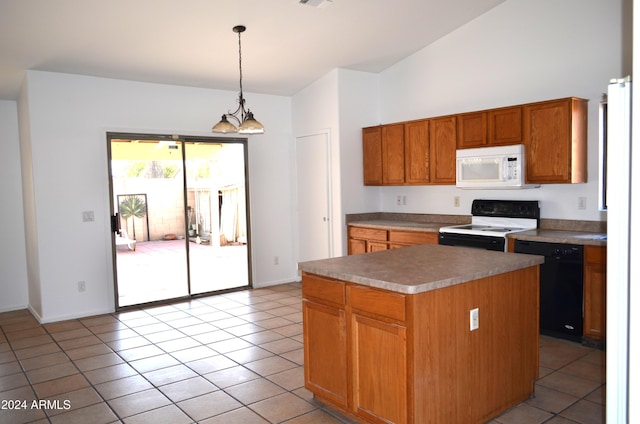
x=595 y=292
x=325 y=335
x=386 y=357
x=409 y=238
x=365 y=240
x=379 y=352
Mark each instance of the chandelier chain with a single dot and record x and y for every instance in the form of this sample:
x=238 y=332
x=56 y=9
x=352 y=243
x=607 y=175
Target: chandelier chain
x=240 y=66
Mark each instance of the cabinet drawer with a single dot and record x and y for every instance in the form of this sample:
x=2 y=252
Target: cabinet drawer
x=368 y=233
x=317 y=287
x=413 y=237
x=378 y=302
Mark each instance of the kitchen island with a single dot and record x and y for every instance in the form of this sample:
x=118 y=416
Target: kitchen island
x=422 y=334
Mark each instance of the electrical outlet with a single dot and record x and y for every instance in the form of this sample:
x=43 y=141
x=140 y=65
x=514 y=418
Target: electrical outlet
x=404 y=200
x=474 y=322
x=582 y=202
x=399 y=200
x=82 y=286
x=276 y=260
x=456 y=201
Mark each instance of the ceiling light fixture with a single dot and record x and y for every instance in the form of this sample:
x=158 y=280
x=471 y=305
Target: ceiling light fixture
x=247 y=124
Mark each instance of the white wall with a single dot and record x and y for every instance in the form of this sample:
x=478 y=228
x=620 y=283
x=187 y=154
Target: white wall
x=68 y=116
x=518 y=52
x=521 y=51
x=13 y=259
x=340 y=104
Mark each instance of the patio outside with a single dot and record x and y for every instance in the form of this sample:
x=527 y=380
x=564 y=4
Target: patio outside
x=157 y=270
x=148 y=181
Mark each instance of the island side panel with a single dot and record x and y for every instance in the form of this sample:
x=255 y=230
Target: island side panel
x=463 y=376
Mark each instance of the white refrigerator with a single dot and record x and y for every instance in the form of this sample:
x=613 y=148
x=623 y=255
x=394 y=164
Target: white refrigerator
x=621 y=269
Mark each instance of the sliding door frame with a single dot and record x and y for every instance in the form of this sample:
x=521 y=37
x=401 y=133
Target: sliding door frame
x=183 y=139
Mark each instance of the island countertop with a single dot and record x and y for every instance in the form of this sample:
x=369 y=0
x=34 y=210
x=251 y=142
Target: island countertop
x=421 y=268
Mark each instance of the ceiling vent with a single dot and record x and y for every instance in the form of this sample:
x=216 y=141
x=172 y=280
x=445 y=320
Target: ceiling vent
x=316 y=3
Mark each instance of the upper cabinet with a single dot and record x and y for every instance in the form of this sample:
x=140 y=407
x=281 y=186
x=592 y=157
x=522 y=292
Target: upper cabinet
x=410 y=153
x=372 y=155
x=393 y=154
x=423 y=152
x=505 y=126
x=416 y=152
x=495 y=127
x=443 y=150
x=472 y=130
x=555 y=138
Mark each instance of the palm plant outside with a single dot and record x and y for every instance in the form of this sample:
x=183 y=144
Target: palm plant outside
x=133 y=206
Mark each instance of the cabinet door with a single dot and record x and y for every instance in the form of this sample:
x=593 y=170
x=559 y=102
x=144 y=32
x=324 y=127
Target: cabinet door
x=505 y=126
x=555 y=140
x=416 y=152
x=595 y=291
x=393 y=154
x=472 y=130
x=372 y=155
x=379 y=370
x=325 y=351
x=442 y=139
x=357 y=246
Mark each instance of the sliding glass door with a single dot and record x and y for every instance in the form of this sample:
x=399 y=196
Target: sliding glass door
x=216 y=216
x=179 y=216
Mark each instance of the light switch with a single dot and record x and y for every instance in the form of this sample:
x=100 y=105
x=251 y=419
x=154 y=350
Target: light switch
x=87 y=216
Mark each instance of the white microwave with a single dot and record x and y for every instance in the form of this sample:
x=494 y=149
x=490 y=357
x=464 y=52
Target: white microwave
x=497 y=167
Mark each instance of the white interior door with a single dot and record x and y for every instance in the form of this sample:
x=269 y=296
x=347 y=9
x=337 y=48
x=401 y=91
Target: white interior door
x=313 y=197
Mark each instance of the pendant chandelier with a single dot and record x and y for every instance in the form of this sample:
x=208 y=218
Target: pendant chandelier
x=247 y=124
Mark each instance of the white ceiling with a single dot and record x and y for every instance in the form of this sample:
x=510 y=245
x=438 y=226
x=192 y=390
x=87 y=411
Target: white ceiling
x=287 y=45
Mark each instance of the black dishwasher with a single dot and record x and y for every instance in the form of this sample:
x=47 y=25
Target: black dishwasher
x=561 y=287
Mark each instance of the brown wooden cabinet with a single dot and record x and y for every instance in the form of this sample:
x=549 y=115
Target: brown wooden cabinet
x=413 y=359
x=423 y=152
x=472 y=130
x=393 y=154
x=595 y=292
x=555 y=139
x=383 y=154
x=323 y=310
x=372 y=155
x=365 y=240
x=505 y=126
x=442 y=139
x=398 y=238
x=379 y=354
x=416 y=152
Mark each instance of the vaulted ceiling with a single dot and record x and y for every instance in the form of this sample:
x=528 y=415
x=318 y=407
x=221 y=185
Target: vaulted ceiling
x=287 y=44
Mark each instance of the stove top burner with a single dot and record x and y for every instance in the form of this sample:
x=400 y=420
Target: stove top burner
x=491 y=222
x=490 y=228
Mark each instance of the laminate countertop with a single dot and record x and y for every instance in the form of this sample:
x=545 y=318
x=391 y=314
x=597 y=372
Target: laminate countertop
x=540 y=234
x=387 y=224
x=562 y=236
x=421 y=268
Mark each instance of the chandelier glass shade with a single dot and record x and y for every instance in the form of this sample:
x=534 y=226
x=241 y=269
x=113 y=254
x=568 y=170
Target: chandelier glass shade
x=246 y=123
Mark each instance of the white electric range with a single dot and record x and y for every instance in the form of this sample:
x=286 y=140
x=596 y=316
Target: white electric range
x=491 y=222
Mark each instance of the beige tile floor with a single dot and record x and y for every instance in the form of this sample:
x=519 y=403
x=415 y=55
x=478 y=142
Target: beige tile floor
x=225 y=359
